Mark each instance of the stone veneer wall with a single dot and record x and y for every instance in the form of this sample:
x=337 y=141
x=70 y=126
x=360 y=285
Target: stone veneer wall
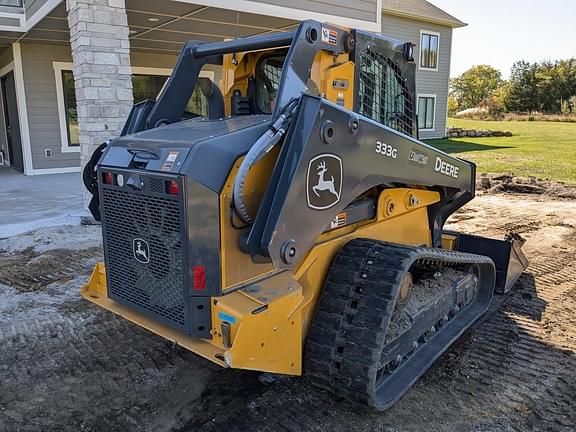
x=102 y=72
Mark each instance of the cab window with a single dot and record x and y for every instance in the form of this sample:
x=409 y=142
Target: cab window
x=268 y=81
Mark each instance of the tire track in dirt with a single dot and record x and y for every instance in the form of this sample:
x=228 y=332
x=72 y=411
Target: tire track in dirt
x=504 y=374
x=29 y=270
x=80 y=368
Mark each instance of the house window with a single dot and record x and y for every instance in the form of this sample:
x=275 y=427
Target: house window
x=147 y=86
x=146 y=83
x=429 y=46
x=70 y=108
x=198 y=104
x=426 y=112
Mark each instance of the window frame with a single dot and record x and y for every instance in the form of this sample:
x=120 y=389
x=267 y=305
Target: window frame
x=420 y=49
x=60 y=67
x=427 y=96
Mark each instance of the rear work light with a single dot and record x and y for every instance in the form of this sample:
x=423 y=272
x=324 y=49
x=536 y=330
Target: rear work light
x=108 y=178
x=172 y=187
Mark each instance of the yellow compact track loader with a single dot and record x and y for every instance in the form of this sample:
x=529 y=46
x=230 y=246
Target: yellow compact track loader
x=288 y=219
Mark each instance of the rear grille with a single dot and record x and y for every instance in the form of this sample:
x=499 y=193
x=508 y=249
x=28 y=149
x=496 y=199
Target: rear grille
x=156 y=185
x=145 y=222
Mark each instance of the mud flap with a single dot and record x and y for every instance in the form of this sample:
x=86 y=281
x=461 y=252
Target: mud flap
x=507 y=255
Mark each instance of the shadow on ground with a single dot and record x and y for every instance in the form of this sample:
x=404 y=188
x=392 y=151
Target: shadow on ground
x=497 y=375
x=453 y=146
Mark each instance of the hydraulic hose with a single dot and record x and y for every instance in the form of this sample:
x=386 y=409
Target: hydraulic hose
x=261 y=147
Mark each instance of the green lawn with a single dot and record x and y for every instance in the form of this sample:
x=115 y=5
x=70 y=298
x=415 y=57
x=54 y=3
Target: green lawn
x=541 y=149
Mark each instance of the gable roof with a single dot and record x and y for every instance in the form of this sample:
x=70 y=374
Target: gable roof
x=421 y=10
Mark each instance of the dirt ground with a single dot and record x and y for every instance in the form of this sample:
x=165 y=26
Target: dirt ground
x=65 y=365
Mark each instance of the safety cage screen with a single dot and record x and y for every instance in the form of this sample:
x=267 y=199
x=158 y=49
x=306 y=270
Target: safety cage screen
x=383 y=94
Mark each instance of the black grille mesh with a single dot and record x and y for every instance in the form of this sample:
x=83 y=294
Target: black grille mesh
x=156 y=287
x=156 y=185
x=383 y=94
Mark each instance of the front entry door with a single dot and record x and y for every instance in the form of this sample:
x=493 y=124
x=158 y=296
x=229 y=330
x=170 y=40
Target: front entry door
x=12 y=122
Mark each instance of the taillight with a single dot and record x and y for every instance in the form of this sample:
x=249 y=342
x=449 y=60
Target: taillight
x=172 y=187
x=108 y=178
x=199 y=276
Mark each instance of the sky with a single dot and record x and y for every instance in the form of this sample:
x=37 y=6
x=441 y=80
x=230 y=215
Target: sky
x=500 y=32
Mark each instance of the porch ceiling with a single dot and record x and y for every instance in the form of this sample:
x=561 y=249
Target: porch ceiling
x=162 y=26
x=6 y=38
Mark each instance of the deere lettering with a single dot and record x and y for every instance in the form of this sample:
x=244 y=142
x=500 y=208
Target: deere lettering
x=445 y=168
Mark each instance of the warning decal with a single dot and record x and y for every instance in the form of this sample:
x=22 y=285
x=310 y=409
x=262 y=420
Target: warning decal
x=169 y=162
x=329 y=36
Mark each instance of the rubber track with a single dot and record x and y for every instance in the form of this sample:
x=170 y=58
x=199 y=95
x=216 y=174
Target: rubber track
x=346 y=338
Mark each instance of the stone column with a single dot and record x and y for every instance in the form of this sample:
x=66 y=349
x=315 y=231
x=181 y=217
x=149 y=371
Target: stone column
x=103 y=77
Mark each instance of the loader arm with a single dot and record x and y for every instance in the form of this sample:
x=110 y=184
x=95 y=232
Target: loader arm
x=364 y=154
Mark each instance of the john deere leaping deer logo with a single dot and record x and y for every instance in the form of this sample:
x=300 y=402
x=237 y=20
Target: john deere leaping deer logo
x=141 y=250
x=324 y=181
x=323 y=184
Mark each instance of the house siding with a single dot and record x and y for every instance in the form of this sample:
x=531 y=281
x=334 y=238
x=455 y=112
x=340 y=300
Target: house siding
x=365 y=10
x=40 y=87
x=32 y=6
x=427 y=81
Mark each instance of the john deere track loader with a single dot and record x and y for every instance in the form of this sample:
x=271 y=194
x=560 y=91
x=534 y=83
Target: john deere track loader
x=288 y=220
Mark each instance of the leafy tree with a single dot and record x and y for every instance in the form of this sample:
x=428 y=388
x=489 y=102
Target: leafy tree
x=525 y=87
x=475 y=85
x=547 y=86
x=452 y=105
x=567 y=82
x=543 y=87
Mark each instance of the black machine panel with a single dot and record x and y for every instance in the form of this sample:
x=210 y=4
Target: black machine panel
x=144 y=233
x=331 y=158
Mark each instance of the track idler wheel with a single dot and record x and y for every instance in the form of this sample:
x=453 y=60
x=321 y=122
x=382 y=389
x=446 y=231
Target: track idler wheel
x=405 y=290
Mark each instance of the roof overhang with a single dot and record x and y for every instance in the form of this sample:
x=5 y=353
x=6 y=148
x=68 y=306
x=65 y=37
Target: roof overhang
x=448 y=23
x=164 y=26
x=291 y=12
x=26 y=23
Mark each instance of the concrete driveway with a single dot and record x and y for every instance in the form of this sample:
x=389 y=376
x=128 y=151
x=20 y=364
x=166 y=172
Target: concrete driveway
x=32 y=202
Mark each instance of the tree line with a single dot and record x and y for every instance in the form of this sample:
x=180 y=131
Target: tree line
x=546 y=87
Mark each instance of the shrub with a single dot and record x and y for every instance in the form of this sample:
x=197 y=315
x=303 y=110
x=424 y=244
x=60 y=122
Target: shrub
x=540 y=117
